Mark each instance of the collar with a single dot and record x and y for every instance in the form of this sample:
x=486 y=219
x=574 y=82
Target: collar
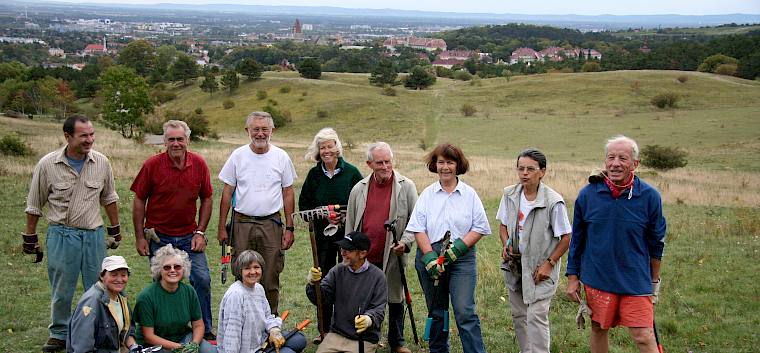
x=438 y=187
x=338 y=167
x=602 y=187
x=168 y=160
x=61 y=156
x=361 y=269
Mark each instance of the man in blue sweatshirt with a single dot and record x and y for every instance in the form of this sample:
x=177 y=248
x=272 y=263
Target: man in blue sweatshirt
x=616 y=248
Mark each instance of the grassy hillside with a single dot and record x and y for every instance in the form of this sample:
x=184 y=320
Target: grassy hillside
x=568 y=115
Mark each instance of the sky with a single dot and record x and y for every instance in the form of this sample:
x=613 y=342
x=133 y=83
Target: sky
x=543 y=7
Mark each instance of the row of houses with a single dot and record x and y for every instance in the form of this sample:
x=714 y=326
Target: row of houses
x=528 y=55
x=428 y=44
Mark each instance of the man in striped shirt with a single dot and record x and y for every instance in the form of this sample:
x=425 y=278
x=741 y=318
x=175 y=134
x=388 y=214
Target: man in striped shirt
x=74 y=181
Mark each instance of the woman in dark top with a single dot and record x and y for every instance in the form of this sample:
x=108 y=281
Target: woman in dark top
x=329 y=182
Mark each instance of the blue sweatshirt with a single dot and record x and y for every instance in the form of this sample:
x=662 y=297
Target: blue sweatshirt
x=614 y=239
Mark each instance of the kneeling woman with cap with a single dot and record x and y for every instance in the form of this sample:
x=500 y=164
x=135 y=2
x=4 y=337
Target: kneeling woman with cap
x=102 y=321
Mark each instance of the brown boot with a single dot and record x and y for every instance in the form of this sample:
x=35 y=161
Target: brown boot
x=54 y=345
x=401 y=349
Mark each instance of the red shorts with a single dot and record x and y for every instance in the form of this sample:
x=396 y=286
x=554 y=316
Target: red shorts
x=610 y=309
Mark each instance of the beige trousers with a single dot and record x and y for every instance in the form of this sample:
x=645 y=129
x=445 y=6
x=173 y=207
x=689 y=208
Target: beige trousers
x=531 y=323
x=335 y=343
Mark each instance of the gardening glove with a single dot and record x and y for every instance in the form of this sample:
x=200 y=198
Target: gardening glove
x=31 y=245
x=655 y=290
x=362 y=323
x=315 y=274
x=579 y=319
x=455 y=251
x=113 y=239
x=189 y=347
x=430 y=260
x=135 y=348
x=276 y=338
x=150 y=234
x=596 y=176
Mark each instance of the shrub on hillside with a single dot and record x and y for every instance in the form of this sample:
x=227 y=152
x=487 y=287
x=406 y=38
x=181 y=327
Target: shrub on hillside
x=13 y=145
x=462 y=75
x=663 y=157
x=261 y=95
x=310 y=68
x=468 y=109
x=726 y=69
x=665 y=100
x=228 y=104
x=322 y=114
x=285 y=89
x=388 y=91
x=591 y=66
x=196 y=121
x=682 y=78
x=419 y=78
x=441 y=71
x=713 y=61
x=278 y=117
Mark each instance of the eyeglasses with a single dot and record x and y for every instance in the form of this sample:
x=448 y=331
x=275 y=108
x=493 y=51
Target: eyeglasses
x=530 y=170
x=176 y=267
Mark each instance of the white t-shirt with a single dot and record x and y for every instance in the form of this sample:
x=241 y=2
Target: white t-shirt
x=560 y=222
x=258 y=179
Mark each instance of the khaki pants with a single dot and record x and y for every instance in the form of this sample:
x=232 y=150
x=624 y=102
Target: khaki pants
x=335 y=343
x=265 y=237
x=531 y=323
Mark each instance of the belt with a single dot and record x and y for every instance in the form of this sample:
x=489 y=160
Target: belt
x=248 y=219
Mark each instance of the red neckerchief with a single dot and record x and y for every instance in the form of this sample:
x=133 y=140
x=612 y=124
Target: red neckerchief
x=618 y=189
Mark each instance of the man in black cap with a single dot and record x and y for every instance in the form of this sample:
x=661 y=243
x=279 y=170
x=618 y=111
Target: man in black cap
x=362 y=292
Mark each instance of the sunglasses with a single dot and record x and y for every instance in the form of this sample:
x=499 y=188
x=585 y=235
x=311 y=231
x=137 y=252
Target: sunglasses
x=169 y=267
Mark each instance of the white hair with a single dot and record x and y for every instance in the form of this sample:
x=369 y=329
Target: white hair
x=177 y=124
x=165 y=253
x=624 y=139
x=326 y=134
x=380 y=145
x=259 y=115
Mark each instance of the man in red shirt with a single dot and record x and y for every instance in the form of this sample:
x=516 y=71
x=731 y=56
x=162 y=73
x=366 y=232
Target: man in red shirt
x=170 y=184
x=385 y=195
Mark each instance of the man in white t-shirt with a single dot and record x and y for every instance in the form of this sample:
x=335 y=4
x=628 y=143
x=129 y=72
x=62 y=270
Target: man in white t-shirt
x=261 y=176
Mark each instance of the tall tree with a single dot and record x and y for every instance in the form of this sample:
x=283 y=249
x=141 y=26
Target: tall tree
x=184 y=68
x=125 y=99
x=310 y=68
x=138 y=55
x=230 y=80
x=384 y=73
x=419 y=78
x=250 y=68
x=165 y=56
x=209 y=84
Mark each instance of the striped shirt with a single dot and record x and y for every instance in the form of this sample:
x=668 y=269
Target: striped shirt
x=73 y=198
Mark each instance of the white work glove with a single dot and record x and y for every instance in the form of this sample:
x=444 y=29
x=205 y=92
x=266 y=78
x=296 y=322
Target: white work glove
x=655 y=290
x=315 y=274
x=362 y=323
x=276 y=338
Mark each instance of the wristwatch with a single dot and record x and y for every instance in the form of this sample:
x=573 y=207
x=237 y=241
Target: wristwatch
x=552 y=262
x=291 y=228
x=201 y=233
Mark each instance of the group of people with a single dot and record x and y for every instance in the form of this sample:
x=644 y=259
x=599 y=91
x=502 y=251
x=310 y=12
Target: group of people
x=615 y=246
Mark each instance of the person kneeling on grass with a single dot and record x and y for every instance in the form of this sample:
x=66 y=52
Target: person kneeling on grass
x=362 y=293
x=168 y=312
x=245 y=318
x=101 y=322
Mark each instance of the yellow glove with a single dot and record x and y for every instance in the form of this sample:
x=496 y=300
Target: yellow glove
x=362 y=323
x=315 y=274
x=275 y=336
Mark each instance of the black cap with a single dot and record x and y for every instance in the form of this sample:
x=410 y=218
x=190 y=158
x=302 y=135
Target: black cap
x=354 y=241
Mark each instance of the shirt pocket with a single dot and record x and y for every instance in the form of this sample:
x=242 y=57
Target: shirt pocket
x=92 y=189
x=62 y=191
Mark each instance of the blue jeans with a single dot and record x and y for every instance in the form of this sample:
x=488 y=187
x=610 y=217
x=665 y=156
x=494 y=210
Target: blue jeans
x=200 y=278
x=458 y=282
x=71 y=251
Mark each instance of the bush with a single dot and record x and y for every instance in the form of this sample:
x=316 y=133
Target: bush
x=682 y=78
x=261 y=95
x=272 y=102
x=468 y=109
x=419 y=78
x=310 y=68
x=726 y=69
x=322 y=113
x=388 y=91
x=711 y=63
x=228 y=104
x=13 y=145
x=285 y=89
x=277 y=116
x=663 y=157
x=665 y=100
x=462 y=75
x=441 y=71
x=591 y=66
x=196 y=121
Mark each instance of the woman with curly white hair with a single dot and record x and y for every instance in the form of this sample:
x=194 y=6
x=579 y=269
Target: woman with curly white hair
x=167 y=312
x=329 y=182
